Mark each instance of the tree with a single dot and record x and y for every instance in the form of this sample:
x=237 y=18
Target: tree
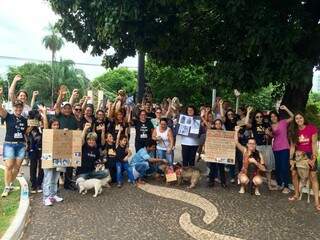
x=37 y=77
x=241 y=44
x=114 y=80
x=53 y=42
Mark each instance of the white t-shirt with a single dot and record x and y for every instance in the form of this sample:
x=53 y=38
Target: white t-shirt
x=190 y=141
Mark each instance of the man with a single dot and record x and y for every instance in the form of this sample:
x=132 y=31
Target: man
x=67 y=120
x=142 y=162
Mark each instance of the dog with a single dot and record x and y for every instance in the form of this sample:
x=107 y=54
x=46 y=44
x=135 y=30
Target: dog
x=187 y=174
x=303 y=169
x=93 y=183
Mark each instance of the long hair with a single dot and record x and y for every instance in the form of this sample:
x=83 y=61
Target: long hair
x=293 y=129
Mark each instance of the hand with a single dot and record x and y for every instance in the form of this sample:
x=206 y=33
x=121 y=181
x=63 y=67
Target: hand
x=268 y=132
x=101 y=128
x=237 y=128
x=17 y=78
x=35 y=93
x=311 y=163
x=252 y=160
x=169 y=150
x=249 y=109
x=283 y=107
x=292 y=163
x=236 y=93
x=62 y=93
x=75 y=92
x=42 y=109
x=164 y=161
x=87 y=126
x=220 y=102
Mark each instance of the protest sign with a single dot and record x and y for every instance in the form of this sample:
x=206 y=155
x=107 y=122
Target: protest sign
x=61 y=148
x=189 y=125
x=220 y=147
x=171 y=176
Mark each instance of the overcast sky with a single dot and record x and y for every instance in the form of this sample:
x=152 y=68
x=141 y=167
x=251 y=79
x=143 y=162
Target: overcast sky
x=23 y=24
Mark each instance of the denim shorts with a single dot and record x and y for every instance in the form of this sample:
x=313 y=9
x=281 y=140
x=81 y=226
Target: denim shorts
x=14 y=151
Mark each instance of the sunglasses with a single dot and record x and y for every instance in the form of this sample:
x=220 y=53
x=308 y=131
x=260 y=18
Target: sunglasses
x=257 y=117
x=77 y=109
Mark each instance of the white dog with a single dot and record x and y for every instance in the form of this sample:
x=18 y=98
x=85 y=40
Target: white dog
x=97 y=184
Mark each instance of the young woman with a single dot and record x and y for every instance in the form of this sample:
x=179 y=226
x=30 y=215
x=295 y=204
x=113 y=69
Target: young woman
x=14 y=147
x=217 y=168
x=262 y=133
x=189 y=144
x=164 y=137
x=303 y=137
x=51 y=175
x=281 y=148
x=253 y=164
x=88 y=117
x=119 y=122
x=156 y=121
x=144 y=129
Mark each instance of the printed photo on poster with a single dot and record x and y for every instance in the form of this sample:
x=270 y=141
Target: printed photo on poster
x=195 y=127
x=184 y=130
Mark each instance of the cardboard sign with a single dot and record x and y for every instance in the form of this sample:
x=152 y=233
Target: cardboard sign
x=61 y=148
x=171 y=176
x=90 y=95
x=189 y=126
x=220 y=147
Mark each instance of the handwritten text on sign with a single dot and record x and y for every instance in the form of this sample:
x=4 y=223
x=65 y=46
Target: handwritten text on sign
x=220 y=147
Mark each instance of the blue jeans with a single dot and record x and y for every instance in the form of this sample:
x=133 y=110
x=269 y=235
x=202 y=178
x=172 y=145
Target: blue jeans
x=164 y=155
x=282 y=166
x=13 y=151
x=126 y=167
x=50 y=182
x=94 y=174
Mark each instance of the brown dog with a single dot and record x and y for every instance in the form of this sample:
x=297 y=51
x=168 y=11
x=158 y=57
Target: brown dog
x=303 y=169
x=187 y=174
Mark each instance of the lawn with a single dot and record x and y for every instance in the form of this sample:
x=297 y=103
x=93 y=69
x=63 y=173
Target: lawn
x=8 y=205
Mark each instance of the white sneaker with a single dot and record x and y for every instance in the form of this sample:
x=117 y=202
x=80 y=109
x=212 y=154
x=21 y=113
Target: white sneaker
x=256 y=192
x=232 y=180
x=57 y=198
x=48 y=202
x=242 y=191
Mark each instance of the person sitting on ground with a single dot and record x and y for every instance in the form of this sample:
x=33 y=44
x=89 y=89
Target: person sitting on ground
x=253 y=164
x=123 y=153
x=90 y=155
x=142 y=162
x=14 y=147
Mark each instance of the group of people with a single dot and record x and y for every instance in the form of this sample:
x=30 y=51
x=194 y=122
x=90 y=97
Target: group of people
x=264 y=142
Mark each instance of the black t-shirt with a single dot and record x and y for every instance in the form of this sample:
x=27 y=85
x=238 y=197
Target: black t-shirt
x=258 y=131
x=230 y=125
x=16 y=128
x=121 y=153
x=114 y=128
x=68 y=122
x=83 y=122
x=110 y=153
x=151 y=115
x=90 y=156
x=143 y=131
x=34 y=139
x=98 y=123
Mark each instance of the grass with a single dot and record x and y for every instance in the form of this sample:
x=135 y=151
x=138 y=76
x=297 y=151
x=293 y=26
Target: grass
x=8 y=205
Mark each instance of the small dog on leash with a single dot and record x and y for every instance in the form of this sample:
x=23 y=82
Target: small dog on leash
x=93 y=183
x=303 y=169
x=187 y=174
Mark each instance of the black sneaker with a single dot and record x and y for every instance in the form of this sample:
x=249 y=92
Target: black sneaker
x=70 y=188
x=211 y=183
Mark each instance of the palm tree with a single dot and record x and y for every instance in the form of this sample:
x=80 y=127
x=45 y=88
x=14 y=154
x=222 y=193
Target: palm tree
x=54 y=42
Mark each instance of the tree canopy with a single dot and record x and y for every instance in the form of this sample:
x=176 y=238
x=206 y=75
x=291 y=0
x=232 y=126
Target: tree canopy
x=242 y=44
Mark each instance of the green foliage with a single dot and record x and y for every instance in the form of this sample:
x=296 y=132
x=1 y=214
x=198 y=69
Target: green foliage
x=38 y=77
x=4 y=86
x=313 y=109
x=114 y=80
x=53 y=41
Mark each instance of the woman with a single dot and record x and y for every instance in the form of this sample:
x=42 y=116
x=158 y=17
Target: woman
x=156 y=121
x=253 y=164
x=88 y=117
x=164 y=137
x=281 y=148
x=144 y=129
x=215 y=167
x=262 y=133
x=99 y=123
x=14 y=146
x=303 y=137
x=190 y=144
x=118 y=122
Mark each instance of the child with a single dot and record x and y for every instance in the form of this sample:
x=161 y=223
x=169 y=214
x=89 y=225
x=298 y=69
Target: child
x=34 y=143
x=110 y=157
x=51 y=175
x=123 y=154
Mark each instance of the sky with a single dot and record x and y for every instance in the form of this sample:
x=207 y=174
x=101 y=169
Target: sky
x=23 y=24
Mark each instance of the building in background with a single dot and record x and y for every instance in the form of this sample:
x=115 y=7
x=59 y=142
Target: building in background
x=316 y=82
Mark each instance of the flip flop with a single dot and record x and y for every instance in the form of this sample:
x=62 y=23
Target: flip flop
x=293 y=199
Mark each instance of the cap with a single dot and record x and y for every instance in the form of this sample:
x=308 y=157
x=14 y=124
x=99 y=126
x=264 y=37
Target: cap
x=65 y=104
x=17 y=103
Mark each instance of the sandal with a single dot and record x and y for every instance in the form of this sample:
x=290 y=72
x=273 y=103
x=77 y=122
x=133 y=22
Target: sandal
x=293 y=198
x=318 y=208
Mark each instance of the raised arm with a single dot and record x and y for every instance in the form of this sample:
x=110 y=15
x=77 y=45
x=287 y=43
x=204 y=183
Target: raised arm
x=33 y=99
x=236 y=140
x=43 y=112
x=84 y=104
x=291 y=115
x=74 y=96
x=57 y=106
x=84 y=132
x=247 y=119
x=3 y=112
x=13 y=86
x=221 y=110
x=237 y=94
x=103 y=135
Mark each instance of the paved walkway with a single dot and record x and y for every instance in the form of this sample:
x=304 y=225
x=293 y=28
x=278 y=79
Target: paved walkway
x=133 y=213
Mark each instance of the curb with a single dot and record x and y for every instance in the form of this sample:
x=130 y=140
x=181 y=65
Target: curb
x=15 y=230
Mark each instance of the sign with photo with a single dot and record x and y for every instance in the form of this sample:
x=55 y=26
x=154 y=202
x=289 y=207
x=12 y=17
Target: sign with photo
x=220 y=147
x=189 y=126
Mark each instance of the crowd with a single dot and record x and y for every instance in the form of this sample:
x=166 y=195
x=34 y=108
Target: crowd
x=266 y=145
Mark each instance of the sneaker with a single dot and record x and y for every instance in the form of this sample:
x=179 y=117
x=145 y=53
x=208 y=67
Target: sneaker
x=39 y=190
x=5 y=192
x=232 y=180
x=56 y=199
x=48 y=202
x=33 y=190
x=217 y=180
x=119 y=185
x=286 y=191
x=256 y=192
x=242 y=191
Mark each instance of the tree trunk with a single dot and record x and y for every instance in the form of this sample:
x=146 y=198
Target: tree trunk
x=52 y=78
x=296 y=96
x=141 y=78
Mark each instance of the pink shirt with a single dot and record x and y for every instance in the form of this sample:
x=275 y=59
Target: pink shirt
x=280 y=136
x=305 y=138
